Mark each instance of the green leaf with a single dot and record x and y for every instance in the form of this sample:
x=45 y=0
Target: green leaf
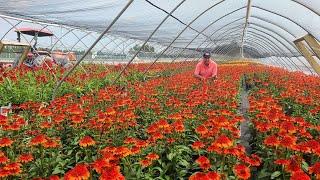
x=305 y=166
x=275 y=174
x=57 y=170
x=170 y=156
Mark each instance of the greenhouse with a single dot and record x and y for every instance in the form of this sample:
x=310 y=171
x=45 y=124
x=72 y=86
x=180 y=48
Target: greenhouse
x=160 y=89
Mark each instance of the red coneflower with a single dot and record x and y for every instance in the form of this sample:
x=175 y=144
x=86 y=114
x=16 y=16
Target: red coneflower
x=13 y=168
x=50 y=143
x=99 y=164
x=152 y=156
x=112 y=173
x=39 y=139
x=288 y=141
x=197 y=145
x=54 y=177
x=202 y=130
x=86 y=141
x=4 y=142
x=24 y=158
x=203 y=162
x=199 y=176
x=271 y=141
x=315 y=169
x=3 y=159
x=223 y=142
x=213 y=176
x=300 y=175
x=242 y=171
x=145 y=162
x=80 y=171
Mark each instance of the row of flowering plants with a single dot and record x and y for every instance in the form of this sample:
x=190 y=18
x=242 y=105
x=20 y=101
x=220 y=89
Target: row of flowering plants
x=172 y=127
x=284 y=108
x=24 y=84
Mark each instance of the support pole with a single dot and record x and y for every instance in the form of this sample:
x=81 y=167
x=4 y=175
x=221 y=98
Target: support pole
x=245 y=28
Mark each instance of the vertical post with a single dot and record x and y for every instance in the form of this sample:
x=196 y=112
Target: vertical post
x=24 y=55
x=1 y=46
x=245 y=27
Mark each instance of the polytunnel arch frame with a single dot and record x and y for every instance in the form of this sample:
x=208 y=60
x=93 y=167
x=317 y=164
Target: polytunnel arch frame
x=288 y=18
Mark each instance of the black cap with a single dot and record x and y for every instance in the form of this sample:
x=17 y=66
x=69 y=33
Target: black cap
x=207 y=55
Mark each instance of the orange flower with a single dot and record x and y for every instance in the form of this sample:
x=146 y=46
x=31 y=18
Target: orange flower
x=197 y=145
x=3 y=159
x=242 y=171
x=54 y=177
x=86 y=141
x=271 y=141
x=4 y=142
x=288 y=141
x=13 y=168
x=112 y=173
x=152 y=156
x=199 y=176
x=80 y=171
x=99 y=164
x=24 y=158
x=205 y=176
x=39 y=139
x=223 y=142
x=213 y=176
x=203 y=162
x=202 y=130
x=282 y=162
x=51 y=144
x=145 y=162
x=300 y=175
x=4 y=173
x=315 y=169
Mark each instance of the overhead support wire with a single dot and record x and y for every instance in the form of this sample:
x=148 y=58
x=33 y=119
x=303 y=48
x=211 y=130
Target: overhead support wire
x=245 y=27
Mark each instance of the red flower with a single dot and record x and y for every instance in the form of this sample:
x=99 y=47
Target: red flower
x=271 y=141
x=203 y=162
x=223 y=142
x=39 y=139
x=242 y=171
x=13 y=168
x=24 y=158
x=315 y=169
x=80 y=171
x=54 y=177
x=197 y=145
x=202 y=130
x=4 y=142
x=152 y=156
x=86 y=141
x=112 y=173
x=205 y=176
x=145 y=162
x=300 y=175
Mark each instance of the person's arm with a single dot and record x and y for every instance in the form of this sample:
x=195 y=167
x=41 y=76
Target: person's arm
x=215 y=71
x=197 y=72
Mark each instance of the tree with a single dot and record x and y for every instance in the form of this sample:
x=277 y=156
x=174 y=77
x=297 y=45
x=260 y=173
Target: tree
x=145 y=49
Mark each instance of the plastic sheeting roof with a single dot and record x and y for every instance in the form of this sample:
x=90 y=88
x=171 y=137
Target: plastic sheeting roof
x=273 y=25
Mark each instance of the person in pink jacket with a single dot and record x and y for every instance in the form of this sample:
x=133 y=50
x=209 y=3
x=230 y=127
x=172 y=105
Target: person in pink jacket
x=206 y=68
